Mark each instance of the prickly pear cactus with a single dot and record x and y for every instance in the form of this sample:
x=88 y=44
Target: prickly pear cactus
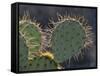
x=31 y=57
x=31 y=34
x=40 y=62
x=67 y=39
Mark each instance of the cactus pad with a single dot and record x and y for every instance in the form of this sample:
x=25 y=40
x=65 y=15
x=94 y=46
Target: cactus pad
x=67 y=39
x=41 y=63
x=23 y=54
x=31 y=34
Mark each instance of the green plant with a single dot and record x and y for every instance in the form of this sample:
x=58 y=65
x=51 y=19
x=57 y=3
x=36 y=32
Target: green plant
x=66 y=40
x=23 y=54
x=68 y=37
x=41 y=63
x=31 y=33
x=31 y=57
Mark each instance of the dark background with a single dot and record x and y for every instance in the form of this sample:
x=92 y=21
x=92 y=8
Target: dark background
x=43 y=13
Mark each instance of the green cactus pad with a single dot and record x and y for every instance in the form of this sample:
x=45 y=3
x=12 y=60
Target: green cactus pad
x=23 y=54
x=67 y=39
x=42 y=63
x=31 y=35
x=37 y=63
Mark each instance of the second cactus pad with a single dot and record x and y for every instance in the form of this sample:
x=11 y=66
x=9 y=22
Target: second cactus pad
x=67 y=39
x=31 y=34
